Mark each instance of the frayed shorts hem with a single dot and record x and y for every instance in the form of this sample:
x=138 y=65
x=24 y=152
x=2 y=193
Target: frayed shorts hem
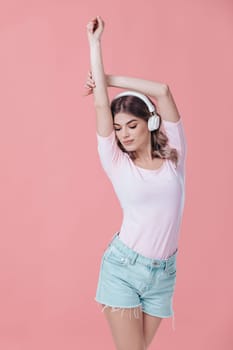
x=131 y=306
x=109 y=304
x=157 y=315
x=141 y=309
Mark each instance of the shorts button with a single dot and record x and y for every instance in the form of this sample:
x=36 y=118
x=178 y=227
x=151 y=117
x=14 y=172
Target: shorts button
x=122 y=259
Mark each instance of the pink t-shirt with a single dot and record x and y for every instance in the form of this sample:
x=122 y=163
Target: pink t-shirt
x=152 y=200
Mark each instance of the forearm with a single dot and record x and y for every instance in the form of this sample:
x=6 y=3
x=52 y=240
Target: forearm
x=97 y=68
x=147 y=87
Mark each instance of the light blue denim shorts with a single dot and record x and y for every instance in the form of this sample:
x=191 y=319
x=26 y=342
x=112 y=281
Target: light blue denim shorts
x=128 y=279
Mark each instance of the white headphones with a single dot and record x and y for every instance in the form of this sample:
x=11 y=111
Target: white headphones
x=153 y=121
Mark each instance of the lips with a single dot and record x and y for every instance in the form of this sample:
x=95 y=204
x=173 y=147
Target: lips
x=127 y=142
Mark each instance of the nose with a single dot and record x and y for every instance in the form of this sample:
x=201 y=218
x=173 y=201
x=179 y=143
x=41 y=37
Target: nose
x=125 y=133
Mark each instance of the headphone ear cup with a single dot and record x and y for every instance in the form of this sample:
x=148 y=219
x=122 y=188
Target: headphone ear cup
x=153 y=123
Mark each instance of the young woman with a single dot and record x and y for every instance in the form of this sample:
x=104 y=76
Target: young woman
x=143 y=153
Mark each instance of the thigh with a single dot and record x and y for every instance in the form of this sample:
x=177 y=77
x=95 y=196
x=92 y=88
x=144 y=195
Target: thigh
x=150 y=326
x=126 y=325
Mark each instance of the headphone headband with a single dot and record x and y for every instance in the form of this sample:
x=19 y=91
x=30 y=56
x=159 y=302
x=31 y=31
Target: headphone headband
x=154 y=120
x=139 y=95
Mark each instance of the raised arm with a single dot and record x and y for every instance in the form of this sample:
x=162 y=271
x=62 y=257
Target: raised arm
x=160 y=91
x=104 y=122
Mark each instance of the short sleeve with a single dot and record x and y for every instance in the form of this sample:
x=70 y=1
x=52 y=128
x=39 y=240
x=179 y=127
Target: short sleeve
x=109 y=152
x=177 y=139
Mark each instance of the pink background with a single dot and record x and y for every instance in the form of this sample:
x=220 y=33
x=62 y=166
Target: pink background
x=59 y=210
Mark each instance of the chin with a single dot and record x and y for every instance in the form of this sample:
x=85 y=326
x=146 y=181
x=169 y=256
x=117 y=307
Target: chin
x=130 y=148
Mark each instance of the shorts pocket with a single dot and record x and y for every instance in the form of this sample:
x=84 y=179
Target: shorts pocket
x=171 y=269
x=115 y=256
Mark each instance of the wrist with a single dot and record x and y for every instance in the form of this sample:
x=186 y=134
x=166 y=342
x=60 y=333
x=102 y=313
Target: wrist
x=108 y=79
x=94 y=43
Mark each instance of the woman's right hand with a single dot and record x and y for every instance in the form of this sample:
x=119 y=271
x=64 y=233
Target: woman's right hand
x=90 y=84
x=95 y=28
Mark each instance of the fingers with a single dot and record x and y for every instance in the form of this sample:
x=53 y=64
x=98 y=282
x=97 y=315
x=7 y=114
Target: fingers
x=100 y=21
x=90 y=82
x=88 y=92
x=89 y=86
x=95 y=23
x=88 y=89
x=92 y=25
x=90 y=76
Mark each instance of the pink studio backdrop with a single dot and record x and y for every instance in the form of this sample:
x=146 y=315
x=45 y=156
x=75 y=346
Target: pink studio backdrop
x=59 y=210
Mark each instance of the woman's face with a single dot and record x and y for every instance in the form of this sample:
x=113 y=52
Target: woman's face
x=133 y=129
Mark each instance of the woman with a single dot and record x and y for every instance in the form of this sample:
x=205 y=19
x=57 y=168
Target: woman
x=143 y=153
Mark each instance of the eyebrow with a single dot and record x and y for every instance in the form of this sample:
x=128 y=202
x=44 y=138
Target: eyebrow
x=132 y=120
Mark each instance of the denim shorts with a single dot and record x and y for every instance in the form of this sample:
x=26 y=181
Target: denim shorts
x=128 y=279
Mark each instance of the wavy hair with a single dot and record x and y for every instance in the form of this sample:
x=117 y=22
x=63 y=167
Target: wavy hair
x=159 y=140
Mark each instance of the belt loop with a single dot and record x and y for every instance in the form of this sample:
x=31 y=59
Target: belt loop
x=166 y=264
x=134 y=258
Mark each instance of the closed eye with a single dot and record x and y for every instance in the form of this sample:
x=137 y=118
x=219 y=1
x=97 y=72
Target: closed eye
x=131 y=127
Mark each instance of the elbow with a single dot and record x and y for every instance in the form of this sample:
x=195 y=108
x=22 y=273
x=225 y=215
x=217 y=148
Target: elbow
x=164 y=89
x=101 y=101
x=101 y=105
